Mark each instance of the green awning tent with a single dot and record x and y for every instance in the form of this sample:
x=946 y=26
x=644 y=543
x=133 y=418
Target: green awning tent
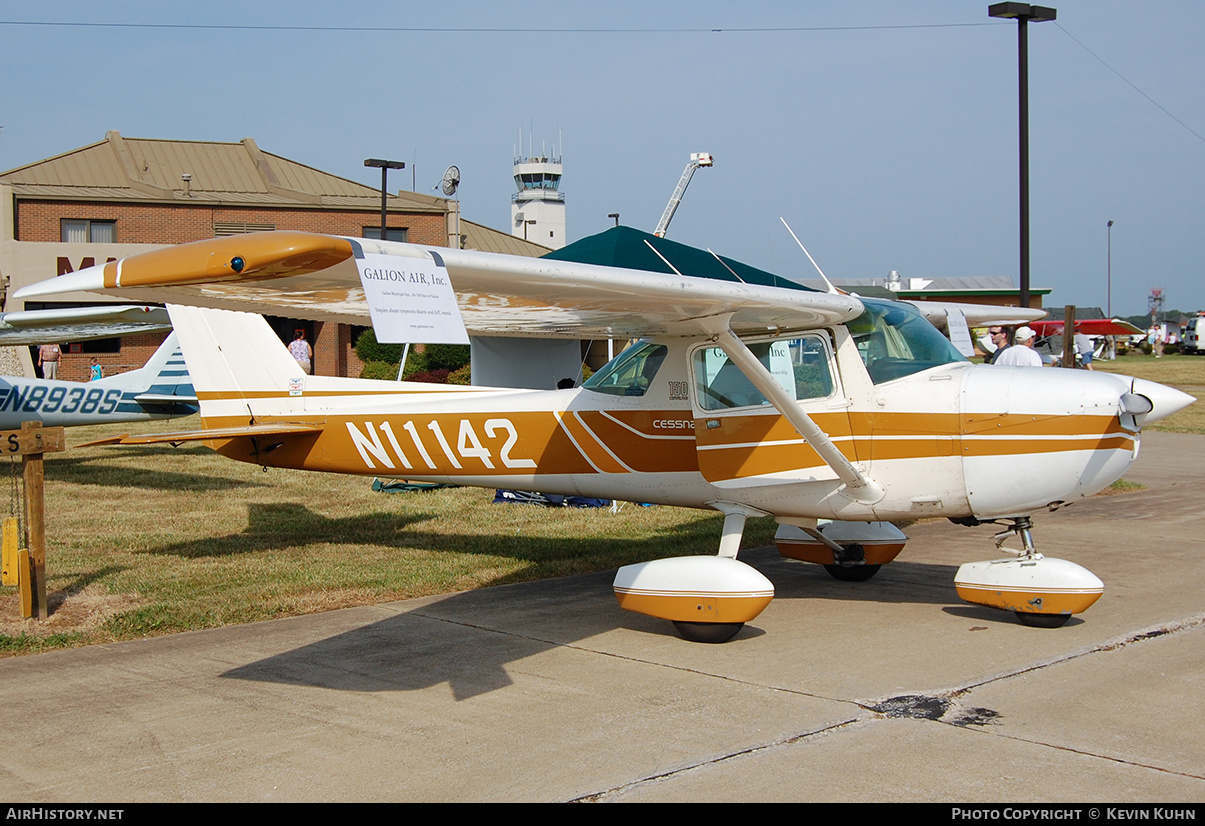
x=627 y=247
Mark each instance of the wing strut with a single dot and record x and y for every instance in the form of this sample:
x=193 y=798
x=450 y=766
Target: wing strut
x=857 y=486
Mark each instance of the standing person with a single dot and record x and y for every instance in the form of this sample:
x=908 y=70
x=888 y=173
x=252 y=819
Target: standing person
x=97 y=374
x=301 y=351
x=999 y=337
x=1022 y=353
x=1083 y=349
x=48 y=360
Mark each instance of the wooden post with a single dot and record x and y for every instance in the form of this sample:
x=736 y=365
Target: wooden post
x=35 y=505
x=30 y=442
x=1069 y=336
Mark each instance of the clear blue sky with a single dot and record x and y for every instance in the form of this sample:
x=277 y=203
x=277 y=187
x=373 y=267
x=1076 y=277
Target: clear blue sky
x=884 y=147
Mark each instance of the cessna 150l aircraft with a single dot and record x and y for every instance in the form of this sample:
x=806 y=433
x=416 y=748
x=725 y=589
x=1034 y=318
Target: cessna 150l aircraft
x=750 y=400
x=159 y=390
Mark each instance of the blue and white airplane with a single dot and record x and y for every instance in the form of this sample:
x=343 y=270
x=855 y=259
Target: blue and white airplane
x=160 y=390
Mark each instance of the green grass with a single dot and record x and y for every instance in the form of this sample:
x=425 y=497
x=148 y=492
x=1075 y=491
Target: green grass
x=1176 y=370
x=158 y=540
x=1183 y=372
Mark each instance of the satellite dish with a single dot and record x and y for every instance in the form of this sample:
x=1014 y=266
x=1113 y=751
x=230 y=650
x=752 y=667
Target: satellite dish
x=451 y=181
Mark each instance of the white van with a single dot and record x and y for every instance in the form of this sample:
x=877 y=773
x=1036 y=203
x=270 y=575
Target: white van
x=1194 y=336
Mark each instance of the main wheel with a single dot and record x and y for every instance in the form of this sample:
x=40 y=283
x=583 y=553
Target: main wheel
x=1042 y=620
x=712 y=632
x=852 y=573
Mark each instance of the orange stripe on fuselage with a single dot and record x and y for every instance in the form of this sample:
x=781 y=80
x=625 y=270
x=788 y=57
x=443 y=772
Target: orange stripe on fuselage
x=514 y=444
x=250 y=396
x=590 y=442
x=597 y=453
x=652 y=442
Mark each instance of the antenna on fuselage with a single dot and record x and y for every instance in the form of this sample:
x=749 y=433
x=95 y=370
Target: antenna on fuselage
x=831 y=289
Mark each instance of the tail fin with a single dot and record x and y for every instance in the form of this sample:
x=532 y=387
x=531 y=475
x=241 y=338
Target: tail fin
x=163 y=380
x=234 y=359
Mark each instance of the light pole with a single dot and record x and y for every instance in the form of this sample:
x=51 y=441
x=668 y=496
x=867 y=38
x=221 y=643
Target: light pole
x=1109 y=285
x=384 y=166
x=1023 y=13
x=1109 y=248
x=614 y=215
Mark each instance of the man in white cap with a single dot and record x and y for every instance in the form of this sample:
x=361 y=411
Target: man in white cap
x=1022 y=354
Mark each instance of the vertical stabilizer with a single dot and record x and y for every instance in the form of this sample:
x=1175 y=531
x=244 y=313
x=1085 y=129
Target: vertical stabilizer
x=234 y=359
x=164 y=374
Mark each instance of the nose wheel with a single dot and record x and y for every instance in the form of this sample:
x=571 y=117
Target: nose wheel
x=1042 y=592
x=1042 y=620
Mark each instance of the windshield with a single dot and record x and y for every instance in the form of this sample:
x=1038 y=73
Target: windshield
x=895 y=340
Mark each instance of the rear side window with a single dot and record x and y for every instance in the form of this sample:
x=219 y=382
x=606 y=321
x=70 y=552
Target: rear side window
x=800 y=365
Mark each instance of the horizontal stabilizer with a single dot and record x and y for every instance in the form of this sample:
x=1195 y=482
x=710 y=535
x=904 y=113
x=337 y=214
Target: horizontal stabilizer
x=164 y=398
x=80 y=323
x=205 y=435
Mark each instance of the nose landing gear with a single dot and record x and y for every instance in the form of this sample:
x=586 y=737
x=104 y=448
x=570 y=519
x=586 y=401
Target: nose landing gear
x=1041 y=591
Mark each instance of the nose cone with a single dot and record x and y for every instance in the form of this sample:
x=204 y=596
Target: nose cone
x=1164 y=400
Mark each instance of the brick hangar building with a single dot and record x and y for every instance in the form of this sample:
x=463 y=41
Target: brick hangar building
x=123 y=196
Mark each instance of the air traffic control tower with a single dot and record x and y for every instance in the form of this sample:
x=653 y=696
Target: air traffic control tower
x=537 y=210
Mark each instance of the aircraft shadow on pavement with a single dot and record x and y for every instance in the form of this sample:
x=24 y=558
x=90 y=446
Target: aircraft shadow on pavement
x=453 y=640
x=468 y=640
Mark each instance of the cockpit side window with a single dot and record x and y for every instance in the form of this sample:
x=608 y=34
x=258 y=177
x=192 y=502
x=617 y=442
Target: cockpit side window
x=630 y=373
x=800 y=365
x=895 y=340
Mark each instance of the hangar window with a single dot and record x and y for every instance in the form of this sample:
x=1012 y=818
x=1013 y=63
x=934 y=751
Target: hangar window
x=800 y=365
x=79 y=231
x=224 y=228
x=631 y=372
x=391 y=234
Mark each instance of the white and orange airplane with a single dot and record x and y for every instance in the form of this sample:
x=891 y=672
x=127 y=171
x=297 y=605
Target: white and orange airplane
x=835 y=415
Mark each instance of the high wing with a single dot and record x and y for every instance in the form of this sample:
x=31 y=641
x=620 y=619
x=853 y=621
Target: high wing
x=80 y=324
x=976 y=315
x=1089 y=326
x=315 y=276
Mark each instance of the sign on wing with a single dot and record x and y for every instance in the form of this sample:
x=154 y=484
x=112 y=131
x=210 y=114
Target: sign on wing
x=410 y=300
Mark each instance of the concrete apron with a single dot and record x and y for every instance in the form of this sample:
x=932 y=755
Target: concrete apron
x=887 y=690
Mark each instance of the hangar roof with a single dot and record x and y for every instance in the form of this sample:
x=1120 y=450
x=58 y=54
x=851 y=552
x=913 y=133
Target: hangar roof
x=144 y=170
x=478 y=237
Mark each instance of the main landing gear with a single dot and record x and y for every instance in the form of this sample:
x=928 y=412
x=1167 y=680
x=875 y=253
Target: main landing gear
x=849 y=551
x=852 y=573
x=1042 y=592
x=708 y=598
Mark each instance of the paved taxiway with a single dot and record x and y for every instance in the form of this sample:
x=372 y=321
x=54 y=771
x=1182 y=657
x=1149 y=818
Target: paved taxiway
x=548 y=692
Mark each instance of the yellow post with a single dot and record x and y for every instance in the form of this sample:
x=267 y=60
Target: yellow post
x=8 y=558
x=25 y=583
